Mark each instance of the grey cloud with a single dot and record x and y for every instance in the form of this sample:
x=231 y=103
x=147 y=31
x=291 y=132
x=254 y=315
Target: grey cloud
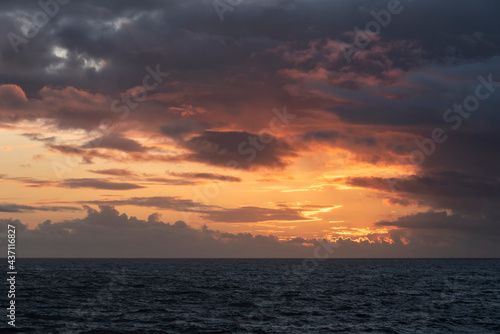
x=10 y=207
x=179 y=128
x=107 y=233
x=209 y=176
x=441 y=220
x=114 y=172
x=174 y=182
x=219 y=148
x=76 y=183
x=333 y=137
x=454 y=234
x=245 y=214
x=116 y=141
x=248 y=214
x=440 y=183
x=158 y=202
x=39 y=137
x=98 y=184
x=440 y=189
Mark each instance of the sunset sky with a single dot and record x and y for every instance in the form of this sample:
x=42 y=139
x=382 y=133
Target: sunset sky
x=263 y=126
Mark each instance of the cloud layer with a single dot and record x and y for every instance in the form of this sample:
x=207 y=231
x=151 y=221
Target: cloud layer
x=107 y=233
x=189 y=100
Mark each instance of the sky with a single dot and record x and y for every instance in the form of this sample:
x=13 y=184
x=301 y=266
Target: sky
x=250 y=128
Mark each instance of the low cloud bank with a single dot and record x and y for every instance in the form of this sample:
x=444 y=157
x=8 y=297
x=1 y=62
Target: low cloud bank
x=105 y=233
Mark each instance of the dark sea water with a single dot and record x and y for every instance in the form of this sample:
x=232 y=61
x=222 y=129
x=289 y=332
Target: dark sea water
x=257 y=296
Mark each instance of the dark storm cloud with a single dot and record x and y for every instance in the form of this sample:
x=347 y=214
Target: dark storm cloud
x=463 y=193
x=181 y=127
x=246 y=149
x=460 y=174
x=267 y=53
x=421 y=99
x=471 y=236
x=115 y=31
x=470 y=152
x=125 y=37
x=442 y=221
x=332 y=136
x=445 y=183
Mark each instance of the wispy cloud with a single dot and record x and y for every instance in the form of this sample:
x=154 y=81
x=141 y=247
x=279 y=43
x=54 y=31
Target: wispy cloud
x=10 y=207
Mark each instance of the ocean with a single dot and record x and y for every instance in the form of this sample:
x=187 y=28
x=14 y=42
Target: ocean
x=256 y=296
